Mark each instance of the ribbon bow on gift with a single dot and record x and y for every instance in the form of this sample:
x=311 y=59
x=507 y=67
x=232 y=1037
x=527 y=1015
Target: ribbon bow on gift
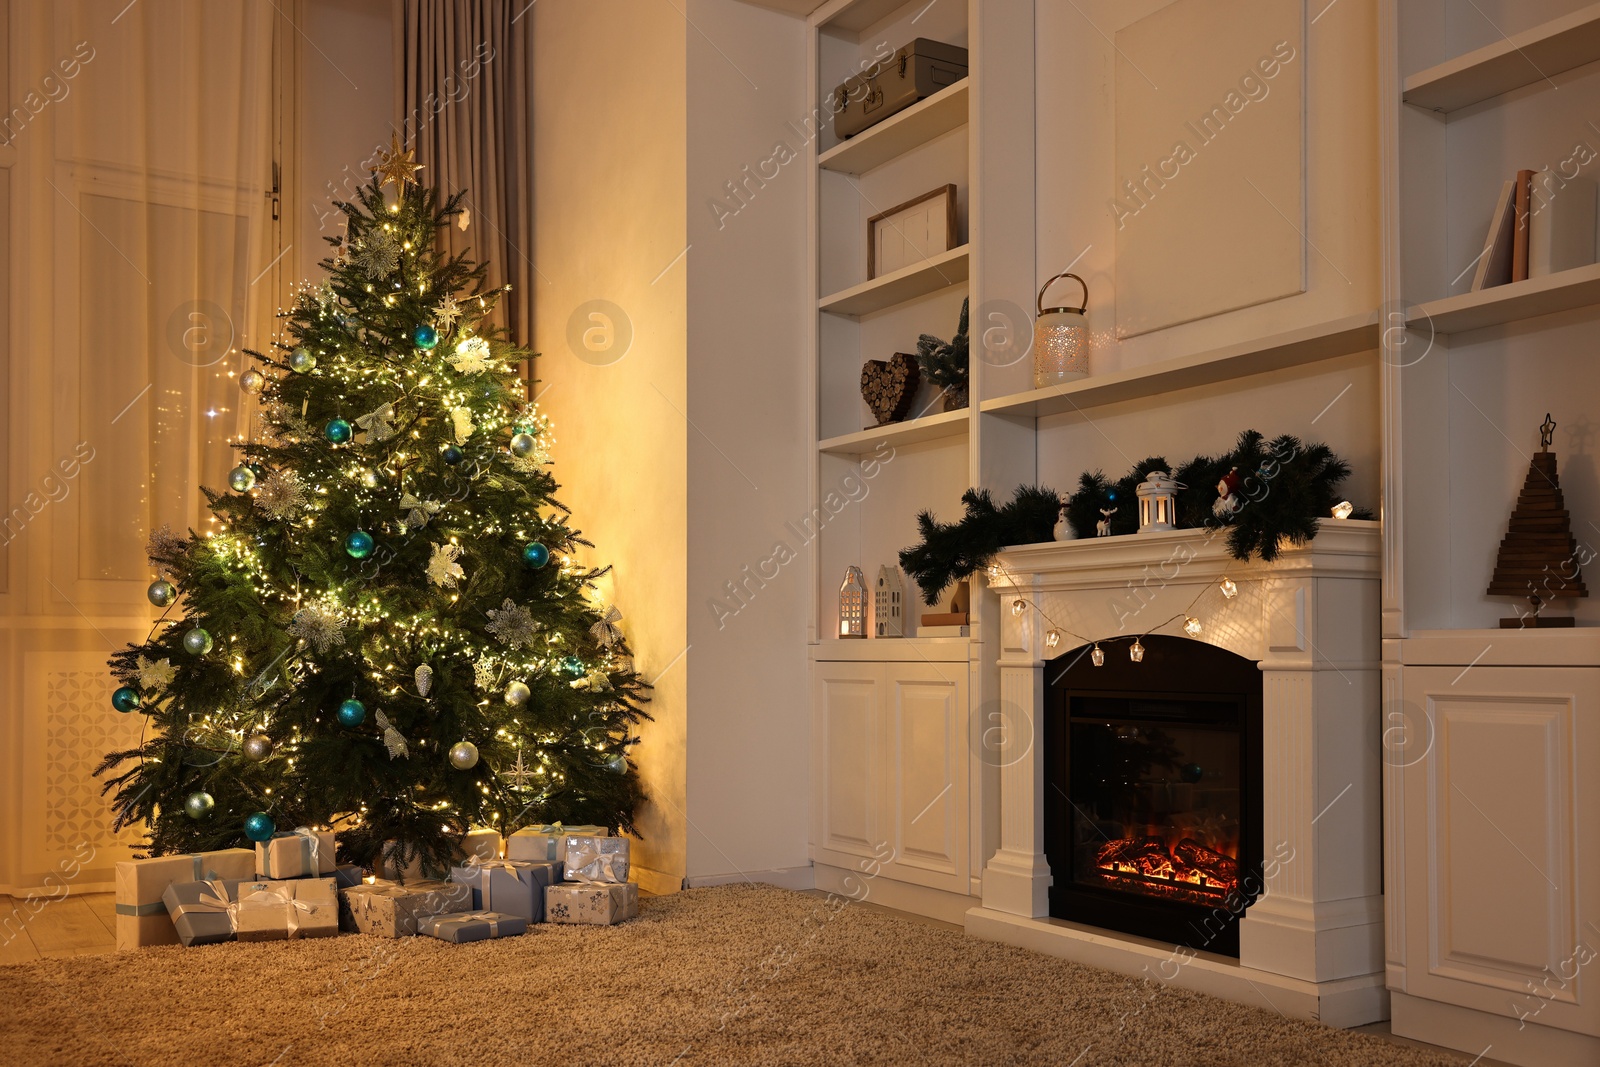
x=605 y=631
x=602 y=870
x=418 y=512
x=213 y=903
x=377 y=422
x=257 y=898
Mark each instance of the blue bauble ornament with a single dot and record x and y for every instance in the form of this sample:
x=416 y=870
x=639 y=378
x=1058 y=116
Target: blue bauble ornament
x=452 y=455
x=352 y=713
x=1192 y=772
x=242 y=478
x=573 y=666
x=425 y=336
x=535 y=555
x=338 y=431
x=199 y=805
x=359 y=544
x=259 y=827
x=197 y=642
x=125 y=699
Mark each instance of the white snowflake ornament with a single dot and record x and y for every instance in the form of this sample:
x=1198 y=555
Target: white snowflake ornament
x=443 y=569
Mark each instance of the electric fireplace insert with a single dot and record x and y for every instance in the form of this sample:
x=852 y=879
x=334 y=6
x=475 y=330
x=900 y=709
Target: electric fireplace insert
x=1152 y=815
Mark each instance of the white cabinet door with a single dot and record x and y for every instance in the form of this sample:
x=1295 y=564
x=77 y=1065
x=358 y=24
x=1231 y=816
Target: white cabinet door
x=925 y=744
x=1501 y=844
x=847 y=759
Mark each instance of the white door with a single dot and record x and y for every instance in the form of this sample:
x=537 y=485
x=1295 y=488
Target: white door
x=847 y=761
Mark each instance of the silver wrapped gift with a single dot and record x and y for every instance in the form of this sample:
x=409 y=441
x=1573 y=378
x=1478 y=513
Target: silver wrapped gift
x=596 y=859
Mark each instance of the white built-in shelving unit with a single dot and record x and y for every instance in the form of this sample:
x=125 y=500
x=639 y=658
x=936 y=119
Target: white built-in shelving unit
x=1492 y=848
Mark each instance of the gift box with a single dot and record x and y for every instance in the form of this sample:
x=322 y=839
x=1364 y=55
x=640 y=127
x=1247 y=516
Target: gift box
x=596 y=859
x=285 y=910
x=142 y=917
x=201 y=912
x=389 y=909
x=546 y=844
x=592 y=903
x=347 y=875
x=301 y=854
x=507 y=886
x=481 y=842
x=473 y=926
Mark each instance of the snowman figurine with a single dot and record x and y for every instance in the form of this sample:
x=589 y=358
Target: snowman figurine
x=1063 y=531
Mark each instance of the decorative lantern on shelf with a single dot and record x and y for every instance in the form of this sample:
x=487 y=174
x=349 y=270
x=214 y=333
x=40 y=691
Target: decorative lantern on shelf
x=888 y=605
x=853 y=604
x=1158 y=502
x=1060 y=339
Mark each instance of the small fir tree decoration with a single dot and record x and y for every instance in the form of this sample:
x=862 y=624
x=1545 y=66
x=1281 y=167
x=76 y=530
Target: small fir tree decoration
x=334 y=650
x=945 y=363
x=1538 y=558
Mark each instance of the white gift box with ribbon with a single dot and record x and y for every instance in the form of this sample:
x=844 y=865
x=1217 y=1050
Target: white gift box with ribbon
x=546 y=844
x=596 y=859
x=299 y=854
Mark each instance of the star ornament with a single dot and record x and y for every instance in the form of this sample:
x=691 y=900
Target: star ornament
x=397 y=165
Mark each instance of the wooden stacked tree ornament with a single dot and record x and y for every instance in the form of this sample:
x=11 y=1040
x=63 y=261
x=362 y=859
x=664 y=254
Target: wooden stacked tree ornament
x=890 y=386
x=1539 y=556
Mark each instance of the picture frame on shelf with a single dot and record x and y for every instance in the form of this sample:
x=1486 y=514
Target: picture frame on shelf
x=912 y=232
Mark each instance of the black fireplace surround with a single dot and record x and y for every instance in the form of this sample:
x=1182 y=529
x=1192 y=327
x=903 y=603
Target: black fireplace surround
x=1152 y=812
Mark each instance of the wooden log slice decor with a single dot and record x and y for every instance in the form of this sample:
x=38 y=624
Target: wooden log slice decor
x=889 y=386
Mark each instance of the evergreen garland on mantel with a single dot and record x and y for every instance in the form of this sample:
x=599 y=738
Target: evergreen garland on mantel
x=1278 y=490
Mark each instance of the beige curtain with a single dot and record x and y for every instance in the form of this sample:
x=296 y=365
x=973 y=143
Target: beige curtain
x=464 y=79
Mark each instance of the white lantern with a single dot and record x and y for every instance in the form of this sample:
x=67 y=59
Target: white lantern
x=1158 y=502
x=853 y=604
x=888 y=604
x=1060 y=339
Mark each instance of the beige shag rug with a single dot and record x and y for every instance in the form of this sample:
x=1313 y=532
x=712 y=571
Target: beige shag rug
x=732 y=975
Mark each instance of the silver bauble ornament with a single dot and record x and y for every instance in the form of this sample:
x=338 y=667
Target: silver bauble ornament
x=199 y=805
x=197 y=642
x=257 y=747
x=161 y=593
x=302 y=361
x=368 y=478
x=523 y=444
x=463 y=755
x=517 y=693
x=242 y=478
x=252 y=381
x=617 y=764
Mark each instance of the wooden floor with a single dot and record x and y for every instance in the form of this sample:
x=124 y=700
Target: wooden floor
x=82 y=925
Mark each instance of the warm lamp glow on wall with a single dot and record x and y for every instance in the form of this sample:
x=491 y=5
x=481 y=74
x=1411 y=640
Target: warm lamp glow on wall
x=853 y=604
x=1060 y=339
x=1158 y=502
x=1343 y=509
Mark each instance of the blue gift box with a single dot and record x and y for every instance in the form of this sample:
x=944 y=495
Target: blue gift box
x=473 y=926
x=508 y=886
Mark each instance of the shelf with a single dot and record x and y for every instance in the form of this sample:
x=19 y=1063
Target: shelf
x=907 y=283
x=927 y=428
x=918 y=124
x=1328 y=340
x=893 y=650
x=857 y=15
x=1529 y=58
x=1575 y=647
x=1563 y=291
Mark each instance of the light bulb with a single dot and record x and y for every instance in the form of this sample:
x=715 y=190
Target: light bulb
x=1191 y=626
x=1098 y=656
x=1052 y=639
x=1343 y=509
x=1230 y=588
x=1136 y=652
x=1018 y=607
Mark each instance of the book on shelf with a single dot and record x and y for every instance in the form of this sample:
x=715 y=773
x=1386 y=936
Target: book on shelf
x=947 y=618
x=1519 y=241
x=1494 y=265
x=944 y=631
x=1561 y=231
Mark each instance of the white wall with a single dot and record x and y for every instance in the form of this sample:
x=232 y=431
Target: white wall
x=749 y=719
x=609 y=217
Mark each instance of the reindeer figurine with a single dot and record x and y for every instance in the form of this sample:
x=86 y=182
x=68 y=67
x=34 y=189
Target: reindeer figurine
x=1103 y=527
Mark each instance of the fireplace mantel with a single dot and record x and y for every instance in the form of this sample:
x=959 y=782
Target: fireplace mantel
x=1312 y=945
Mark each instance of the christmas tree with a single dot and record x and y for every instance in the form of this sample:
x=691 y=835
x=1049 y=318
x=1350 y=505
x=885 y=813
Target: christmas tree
x=386 y=631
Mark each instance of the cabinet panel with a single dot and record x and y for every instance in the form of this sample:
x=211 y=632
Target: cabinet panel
x=927 y=774
x=1502 y=878
x=849 y=761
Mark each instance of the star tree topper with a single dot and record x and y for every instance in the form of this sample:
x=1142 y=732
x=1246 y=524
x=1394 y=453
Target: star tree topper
x=397 y=165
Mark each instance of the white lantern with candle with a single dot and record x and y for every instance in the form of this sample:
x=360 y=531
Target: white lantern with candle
x=1158 y=502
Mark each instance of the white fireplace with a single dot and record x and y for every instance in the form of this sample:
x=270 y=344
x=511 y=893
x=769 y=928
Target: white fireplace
x=1311 y=946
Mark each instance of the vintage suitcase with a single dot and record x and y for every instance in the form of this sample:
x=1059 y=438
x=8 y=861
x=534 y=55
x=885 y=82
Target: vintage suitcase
x=918 y=70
